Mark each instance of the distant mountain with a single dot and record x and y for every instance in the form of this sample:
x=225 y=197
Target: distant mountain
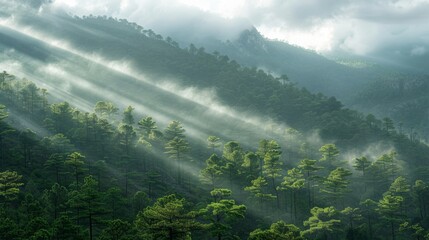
x=355 y=80
x=304 y=67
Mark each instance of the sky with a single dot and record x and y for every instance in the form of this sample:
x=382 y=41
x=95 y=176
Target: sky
x=356 y=26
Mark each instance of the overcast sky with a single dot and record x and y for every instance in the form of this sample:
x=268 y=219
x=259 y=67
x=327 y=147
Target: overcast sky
x=357 y=26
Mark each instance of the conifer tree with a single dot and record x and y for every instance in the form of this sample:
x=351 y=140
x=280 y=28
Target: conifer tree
x=336 y=184
x=167 y=218
x=76 y=162
x=10 y=182
x=294 y=181
x=211 y=173
x=309 y=168
x=322 y=222
x=279 y=231
x=176 y=148
x=222 y=212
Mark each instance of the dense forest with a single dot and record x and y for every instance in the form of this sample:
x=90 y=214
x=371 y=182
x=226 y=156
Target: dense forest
x=179 y=143
x=97 y=175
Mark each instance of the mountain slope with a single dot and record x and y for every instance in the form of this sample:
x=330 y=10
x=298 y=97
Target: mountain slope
x=93 y=53
x=102 y=175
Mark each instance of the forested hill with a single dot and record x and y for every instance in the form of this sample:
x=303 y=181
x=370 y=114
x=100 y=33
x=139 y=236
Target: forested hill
x=304 y=67
x=99 y=174
x=367 y=84
x=91 y=42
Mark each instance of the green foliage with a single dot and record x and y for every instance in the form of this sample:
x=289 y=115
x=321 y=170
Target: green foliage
x=56 y=198
x=128 y=135
x=3 y=112
x=212 y=172
x=9 y=229
x=117 y=229
x=105 y=109
x=362 y=164
x=213 y=143
x=167 y=218
x=258 y=189
x=251 y=165
x=58 y=210
x=175 y=149
x=399 y=187
x=128 y=118
x=222 y=212
x=279 y=231
x=388 y=207
x=415 y=230
x=149 y=130
x=173 y=130
x=329 y=158
x=76 y=162
x=336 y=184
x=61 y=117
x=9 y=185
x=322 y=222
x=88 y=200
x=294 y=179
x=272 y=163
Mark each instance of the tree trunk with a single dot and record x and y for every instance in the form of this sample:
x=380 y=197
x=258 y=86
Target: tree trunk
x=351 y=228
x=57 y=174
x=90 y=226
x=126 y=181
x=179 y=175
x=170 y=234
x=277 y=193
x=393 y=230
x=294 y=207
x=291 y=205
x=369 y=227
x=77 y=177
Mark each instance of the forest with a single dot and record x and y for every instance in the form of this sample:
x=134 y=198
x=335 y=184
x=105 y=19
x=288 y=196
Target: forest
x=111 y=131
x=108 y=174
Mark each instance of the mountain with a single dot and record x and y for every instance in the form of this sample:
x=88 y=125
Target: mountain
x=81 y=59
x=304 y=67
x=204 y=148
x=349 y=78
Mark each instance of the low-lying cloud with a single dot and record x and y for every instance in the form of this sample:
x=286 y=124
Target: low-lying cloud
x=357 y=26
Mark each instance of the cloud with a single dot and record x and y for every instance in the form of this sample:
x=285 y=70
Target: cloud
x=184 y=22
x=418 y=51
x=362 y=27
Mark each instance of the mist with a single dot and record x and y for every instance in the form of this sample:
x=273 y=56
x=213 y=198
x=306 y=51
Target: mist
x=82 y=89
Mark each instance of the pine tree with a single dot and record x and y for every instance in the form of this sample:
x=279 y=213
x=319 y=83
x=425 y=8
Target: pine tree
x=389 y=209
x=9 y=185
x=176 y=148
x=323 y=221
x=278 y=231
x=309 y=168
x=336 y=184
x=88 y=200
x=76 y=161
x=211 y=173
x=330 y=153
x=258 y=189
x=222 y=212
x=213 y=143
x=167 y=218
x=294 y=181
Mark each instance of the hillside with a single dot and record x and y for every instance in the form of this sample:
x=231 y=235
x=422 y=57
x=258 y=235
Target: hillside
x=354 y=80
x=133 y=137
